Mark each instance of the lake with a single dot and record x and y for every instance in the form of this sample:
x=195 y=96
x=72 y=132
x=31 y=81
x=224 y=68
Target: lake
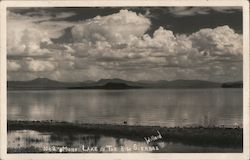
x=165 y=107
x=161 y=107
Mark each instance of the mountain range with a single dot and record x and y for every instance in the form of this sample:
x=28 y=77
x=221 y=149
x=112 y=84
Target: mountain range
x=45 y=83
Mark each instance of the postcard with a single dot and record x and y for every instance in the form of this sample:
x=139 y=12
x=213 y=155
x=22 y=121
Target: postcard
x=108 y=79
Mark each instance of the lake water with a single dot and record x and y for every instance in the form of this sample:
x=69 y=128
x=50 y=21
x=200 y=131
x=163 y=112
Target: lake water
x=165 y=107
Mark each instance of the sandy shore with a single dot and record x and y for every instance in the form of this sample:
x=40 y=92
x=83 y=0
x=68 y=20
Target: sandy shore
x=202 y=136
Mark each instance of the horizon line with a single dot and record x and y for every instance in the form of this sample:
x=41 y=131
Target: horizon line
x=124 y=80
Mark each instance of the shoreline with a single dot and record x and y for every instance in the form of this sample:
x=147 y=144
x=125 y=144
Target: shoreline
x=200 y=136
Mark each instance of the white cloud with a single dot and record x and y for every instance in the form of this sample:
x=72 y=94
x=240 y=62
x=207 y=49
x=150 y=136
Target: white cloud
x=13 y=66
x=39 y=66
x=166 y=50
x=162 y=40
x=31 y=65
x=118 y=46
x=24 y=39
x=115 y=28
x=25 y=34
x=218 y=42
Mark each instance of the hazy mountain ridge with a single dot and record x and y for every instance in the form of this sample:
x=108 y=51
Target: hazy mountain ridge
x=45 y=83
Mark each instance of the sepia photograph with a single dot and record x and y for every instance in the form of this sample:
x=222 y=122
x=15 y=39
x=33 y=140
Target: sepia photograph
x=125 y=79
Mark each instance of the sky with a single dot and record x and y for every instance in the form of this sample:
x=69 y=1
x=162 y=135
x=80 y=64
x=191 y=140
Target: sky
x=136 y=43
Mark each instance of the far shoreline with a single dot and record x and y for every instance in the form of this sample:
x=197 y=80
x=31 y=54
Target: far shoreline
x=118 y=84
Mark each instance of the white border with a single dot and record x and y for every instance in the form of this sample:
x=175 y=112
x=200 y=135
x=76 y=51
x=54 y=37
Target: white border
x=127 y=3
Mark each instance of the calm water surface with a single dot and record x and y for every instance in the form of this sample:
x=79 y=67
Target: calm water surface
x=166 y=107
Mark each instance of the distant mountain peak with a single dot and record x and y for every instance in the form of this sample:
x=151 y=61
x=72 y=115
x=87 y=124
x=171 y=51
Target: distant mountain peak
x=42 y=80
x=111 y=80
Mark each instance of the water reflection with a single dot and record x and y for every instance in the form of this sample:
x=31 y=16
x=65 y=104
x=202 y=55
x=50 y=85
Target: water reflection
x=168 y=107
x=22 y=141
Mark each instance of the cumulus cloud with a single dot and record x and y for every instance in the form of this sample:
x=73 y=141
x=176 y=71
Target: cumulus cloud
x=118 y=46
x=31 y=65
x=25 y=35
x=13 y=66
x=218 y=42
x=39 y=66
x=166 y=50
x=25 y=39
x=116 y=28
